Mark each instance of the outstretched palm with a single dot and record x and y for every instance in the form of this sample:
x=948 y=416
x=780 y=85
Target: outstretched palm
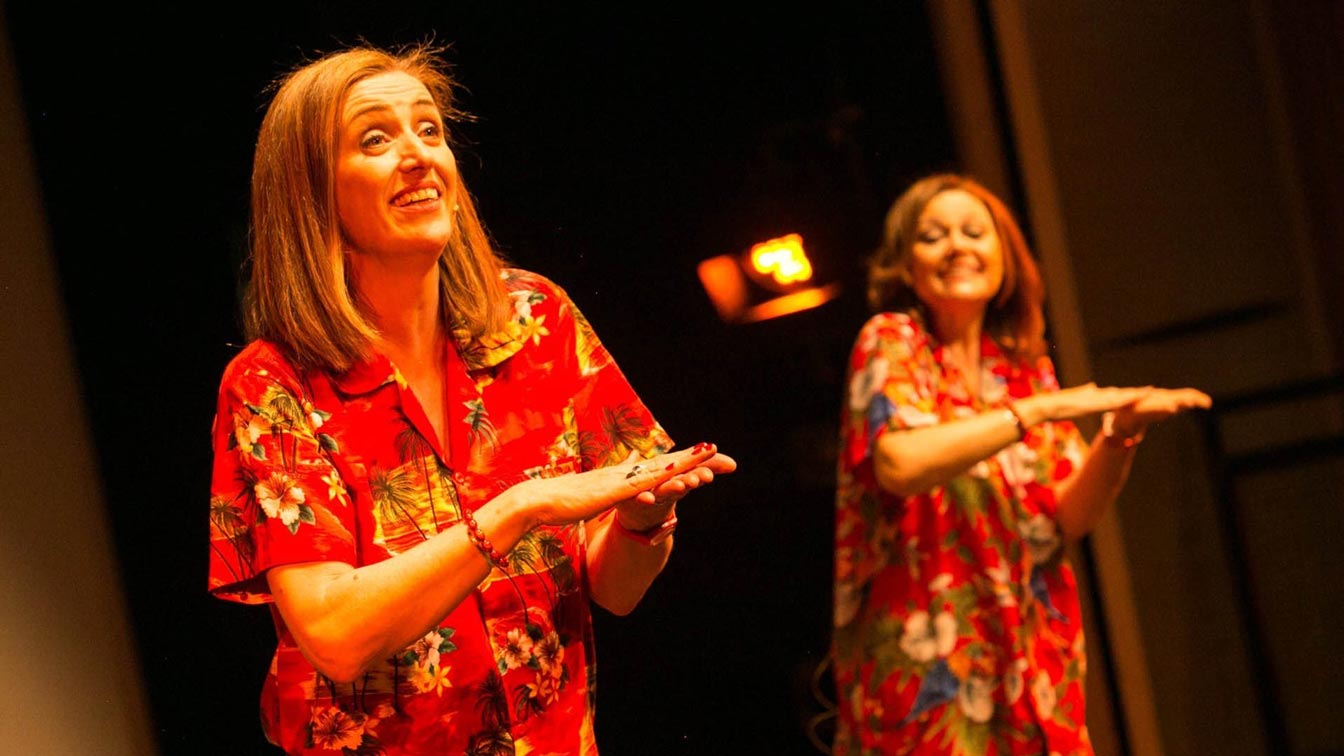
x=1155 y=405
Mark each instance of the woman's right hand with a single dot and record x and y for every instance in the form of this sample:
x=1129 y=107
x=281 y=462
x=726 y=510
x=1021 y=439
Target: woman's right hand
x=582 y=496
x=1076 y=402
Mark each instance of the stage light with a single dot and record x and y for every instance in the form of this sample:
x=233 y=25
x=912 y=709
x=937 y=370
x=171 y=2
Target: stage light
x=770 y=280
x=782 y=260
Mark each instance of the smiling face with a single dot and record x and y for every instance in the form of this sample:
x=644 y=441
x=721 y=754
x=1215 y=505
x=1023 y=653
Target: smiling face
x=396 y=179
x=956 y=258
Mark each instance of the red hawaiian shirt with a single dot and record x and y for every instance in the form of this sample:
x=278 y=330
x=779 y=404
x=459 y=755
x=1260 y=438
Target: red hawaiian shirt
x=957 y=624
x=311 y=466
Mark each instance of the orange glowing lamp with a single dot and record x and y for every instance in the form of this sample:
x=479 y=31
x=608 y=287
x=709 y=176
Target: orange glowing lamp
x=779 y=268
x=782 y=260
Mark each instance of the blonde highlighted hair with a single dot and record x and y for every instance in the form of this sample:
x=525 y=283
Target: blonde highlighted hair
x=1014 y=318
x=299 y=295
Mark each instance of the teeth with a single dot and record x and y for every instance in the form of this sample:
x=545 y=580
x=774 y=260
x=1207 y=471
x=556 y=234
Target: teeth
x=428 y=192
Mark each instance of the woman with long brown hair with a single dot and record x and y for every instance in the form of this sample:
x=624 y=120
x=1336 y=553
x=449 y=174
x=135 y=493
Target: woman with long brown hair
x=961 y=475
x=426 y=463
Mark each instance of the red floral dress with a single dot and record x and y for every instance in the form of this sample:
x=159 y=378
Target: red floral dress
x=957 y=624
x=317 y=467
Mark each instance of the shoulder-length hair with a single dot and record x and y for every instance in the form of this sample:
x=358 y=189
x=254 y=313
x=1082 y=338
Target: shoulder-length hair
x=299 y=295
x=1013 y=318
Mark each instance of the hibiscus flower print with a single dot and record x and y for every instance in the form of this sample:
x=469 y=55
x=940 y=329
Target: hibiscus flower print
x=551 y=655
x=974 y=699
x=280 y=498
x=923 y=640
x=334 y=729
x=246 y=433
x=517 y=648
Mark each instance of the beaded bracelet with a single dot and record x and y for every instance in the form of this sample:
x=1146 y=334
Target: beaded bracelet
x=482 y=543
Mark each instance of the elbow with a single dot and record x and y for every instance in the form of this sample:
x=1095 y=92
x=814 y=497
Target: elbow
x=335 y=657
x=892 y=478
x=619 y=605
x=341 y=674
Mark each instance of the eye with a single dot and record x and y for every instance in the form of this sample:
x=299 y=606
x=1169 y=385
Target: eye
x=431 y=130
x=930 y=235
x=372 y=139
x=975 y=232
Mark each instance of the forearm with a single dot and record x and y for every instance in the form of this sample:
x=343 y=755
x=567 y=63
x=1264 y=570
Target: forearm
x=346 y=618
x=915 y=460
x=1086 y=495
x=621 y=569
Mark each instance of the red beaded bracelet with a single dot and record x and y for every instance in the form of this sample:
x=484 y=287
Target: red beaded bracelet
x=482 y=543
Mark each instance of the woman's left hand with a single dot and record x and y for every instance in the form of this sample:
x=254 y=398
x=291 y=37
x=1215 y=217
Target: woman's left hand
x=1154 y=405
x=648 y=509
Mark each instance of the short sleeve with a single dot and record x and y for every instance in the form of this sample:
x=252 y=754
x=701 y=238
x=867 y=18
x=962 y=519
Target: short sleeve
x=891 y=384
x=610 y=418
x=275 y=497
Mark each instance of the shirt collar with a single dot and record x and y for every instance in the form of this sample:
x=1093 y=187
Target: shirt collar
x=364 y=376
x=477 y=352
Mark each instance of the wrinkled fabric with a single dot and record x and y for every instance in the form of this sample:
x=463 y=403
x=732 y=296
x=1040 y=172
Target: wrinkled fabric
x=957 y=627
x=311 y=466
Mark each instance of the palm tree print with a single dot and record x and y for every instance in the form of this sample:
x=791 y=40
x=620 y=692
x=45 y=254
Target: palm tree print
x=226 y=522
x=491 y=702
x=478 y=420
x=394 y=499
x=590 y=449
x=491 y=743
x=553 y=554
x=591 y=354
x=411 y=446
x=626 y=429
x=286 y=416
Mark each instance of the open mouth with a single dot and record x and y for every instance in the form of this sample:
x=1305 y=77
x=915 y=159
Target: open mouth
x=423 y=194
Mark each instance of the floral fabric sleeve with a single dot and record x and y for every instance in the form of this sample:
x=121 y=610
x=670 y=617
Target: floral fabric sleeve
x=889 y=388
x=275 y=497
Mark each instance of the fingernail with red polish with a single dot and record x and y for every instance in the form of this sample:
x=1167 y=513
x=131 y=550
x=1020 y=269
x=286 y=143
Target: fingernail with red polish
x=669 y=467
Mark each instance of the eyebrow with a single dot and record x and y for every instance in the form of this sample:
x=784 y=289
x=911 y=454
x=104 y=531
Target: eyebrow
x=382 y=106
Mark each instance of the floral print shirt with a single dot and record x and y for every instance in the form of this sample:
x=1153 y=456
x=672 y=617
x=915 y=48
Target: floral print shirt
x=311 y=466
x=957 y=624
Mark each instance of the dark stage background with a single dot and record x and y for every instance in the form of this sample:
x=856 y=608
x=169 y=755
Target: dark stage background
x=615 y=148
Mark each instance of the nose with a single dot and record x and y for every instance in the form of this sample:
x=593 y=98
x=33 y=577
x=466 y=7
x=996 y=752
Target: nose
x=961 y=242
x=414 y=152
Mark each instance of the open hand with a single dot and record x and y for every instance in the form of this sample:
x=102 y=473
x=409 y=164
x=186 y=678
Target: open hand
x=1154 y=405
x=649 y=508
x=1072 y=403
x=646 y=487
